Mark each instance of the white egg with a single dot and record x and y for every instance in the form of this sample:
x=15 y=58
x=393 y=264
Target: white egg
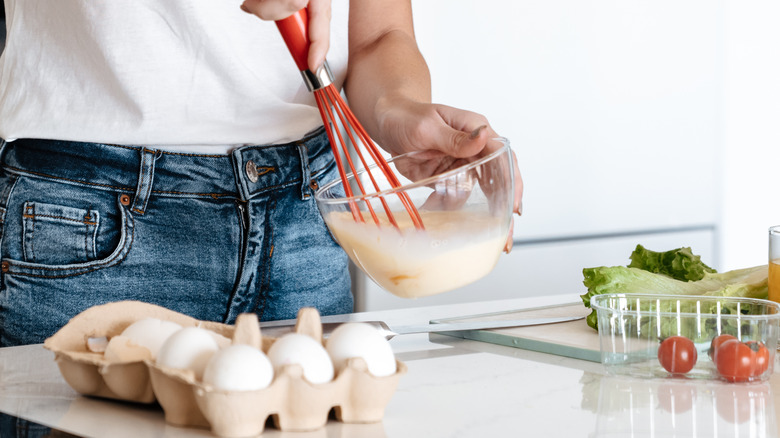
x=150 y=333
x=123 y=349
x=357 y=339
x=190 y=348
x=239 y=368
x=97 y=344
x=294 y=348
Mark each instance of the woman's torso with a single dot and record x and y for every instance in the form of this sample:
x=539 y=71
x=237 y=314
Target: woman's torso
x=180 y=74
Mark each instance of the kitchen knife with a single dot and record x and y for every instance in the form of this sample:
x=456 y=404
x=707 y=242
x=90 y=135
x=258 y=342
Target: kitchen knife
x=390 y=332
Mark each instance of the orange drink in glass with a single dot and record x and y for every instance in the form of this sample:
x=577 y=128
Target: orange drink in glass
x=774 y=263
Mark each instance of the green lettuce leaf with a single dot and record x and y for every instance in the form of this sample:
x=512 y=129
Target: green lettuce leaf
x=680 y=264
x=748 y=283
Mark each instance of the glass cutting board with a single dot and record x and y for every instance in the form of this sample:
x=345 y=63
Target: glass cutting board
x=570 y=339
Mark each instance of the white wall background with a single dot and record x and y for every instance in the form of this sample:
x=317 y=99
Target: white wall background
x=617 y=84
x=750 y=200
x=612 y=106
x=635 y=121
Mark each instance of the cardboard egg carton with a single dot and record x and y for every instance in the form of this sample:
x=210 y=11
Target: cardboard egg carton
x=294 y=404
x=90 y=373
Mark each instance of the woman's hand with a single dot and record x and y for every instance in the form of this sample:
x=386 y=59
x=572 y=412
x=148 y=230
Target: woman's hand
x=448 y=138
x=319 y=22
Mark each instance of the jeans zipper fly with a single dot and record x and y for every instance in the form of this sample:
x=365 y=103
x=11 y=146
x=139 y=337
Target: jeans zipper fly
x=243 y=215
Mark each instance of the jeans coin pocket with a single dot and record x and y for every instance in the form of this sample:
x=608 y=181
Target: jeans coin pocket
x=57 y=234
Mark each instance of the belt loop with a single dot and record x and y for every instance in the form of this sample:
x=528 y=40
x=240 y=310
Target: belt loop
x=305 y=173
x=145 y=179
x=6 y=189
x=3 y=143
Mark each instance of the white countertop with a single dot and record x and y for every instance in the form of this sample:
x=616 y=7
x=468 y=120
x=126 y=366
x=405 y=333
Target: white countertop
x=453 y=388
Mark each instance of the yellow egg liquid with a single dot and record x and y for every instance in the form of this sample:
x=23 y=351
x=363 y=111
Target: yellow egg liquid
x=774 y=280
x=455 y=249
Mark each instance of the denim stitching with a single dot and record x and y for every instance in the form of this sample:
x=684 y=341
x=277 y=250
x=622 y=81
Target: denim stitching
x=4 y=203
x=88 y=254
x=144 y=183
x=243 y=251
x=86 y=242
x=33 y=216
x=317 y=132
x=161 y=152
x=161 y=192
x=303 y=154
x=135 y=198
x=321 y=169
x=96 y=267
x=262 y=295
x=94 y=234
x=262 y=170
x=29 y=172
x=31 y=256
x=87 y=222
x=186 y=154
x=211 y=195
x=119 y=188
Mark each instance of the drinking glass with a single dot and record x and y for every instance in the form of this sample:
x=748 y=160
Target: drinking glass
x=774 y=263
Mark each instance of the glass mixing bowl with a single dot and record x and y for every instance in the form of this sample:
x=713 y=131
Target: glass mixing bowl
x=465 y=205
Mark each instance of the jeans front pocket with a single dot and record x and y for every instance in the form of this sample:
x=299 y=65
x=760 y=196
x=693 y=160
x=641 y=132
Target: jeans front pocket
x=53 y=263
x=73 y=268
x=57 y=234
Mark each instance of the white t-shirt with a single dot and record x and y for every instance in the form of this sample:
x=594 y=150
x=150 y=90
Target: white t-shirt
x=194 y=75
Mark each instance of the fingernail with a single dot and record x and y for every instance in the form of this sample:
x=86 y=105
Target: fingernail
x=519 y=210
x=475 y=133
x=245 y=9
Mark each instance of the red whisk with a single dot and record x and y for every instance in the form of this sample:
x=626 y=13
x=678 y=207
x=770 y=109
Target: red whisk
x=333 y=109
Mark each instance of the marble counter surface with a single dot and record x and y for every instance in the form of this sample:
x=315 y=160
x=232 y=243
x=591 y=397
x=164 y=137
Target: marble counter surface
x=454 y=388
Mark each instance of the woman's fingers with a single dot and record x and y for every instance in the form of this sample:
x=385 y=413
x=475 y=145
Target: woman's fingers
x=518 y=205
x=463 y=133
x=273 y=10
x=319 y=22
x=510 y=239
x=319 y=32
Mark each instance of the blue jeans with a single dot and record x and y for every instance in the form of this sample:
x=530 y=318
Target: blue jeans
x=210 y=236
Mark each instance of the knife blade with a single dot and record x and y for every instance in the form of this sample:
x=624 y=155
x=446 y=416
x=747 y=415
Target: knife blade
x=390 y=332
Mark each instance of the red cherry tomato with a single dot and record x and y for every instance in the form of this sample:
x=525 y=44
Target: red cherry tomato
x=762 y=356
x=717 y=341
x=739 y=362
x=677 y=354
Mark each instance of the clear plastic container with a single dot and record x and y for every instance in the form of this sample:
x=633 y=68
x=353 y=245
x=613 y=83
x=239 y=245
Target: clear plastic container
x=633 y=326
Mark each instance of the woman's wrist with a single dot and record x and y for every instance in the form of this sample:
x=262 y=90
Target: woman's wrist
x=395 y=116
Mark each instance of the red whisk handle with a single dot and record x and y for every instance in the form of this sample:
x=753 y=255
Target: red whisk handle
x=295 y=32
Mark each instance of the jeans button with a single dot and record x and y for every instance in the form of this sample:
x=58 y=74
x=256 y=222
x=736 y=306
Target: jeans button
x=251 y=171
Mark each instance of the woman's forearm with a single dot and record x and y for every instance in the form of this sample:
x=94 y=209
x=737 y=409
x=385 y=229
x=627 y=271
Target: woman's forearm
x=385 y=65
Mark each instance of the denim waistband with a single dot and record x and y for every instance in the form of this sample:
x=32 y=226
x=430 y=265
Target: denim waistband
x=247 y=172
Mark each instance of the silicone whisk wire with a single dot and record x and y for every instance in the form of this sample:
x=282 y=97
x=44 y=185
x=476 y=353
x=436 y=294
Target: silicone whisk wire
x=337 y=117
